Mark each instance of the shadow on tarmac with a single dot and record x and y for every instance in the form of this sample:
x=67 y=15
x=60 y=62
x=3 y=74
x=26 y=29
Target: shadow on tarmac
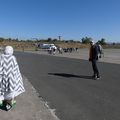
x=71 y=75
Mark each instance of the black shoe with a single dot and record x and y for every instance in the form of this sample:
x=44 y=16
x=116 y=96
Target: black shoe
x=98 y=77
x=6 y=106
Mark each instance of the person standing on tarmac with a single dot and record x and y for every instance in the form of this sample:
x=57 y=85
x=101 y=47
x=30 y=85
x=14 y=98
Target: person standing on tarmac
x=93 y=57
x=11 y=81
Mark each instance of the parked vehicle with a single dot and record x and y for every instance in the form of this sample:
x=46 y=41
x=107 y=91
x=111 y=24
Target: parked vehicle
x=46 y=46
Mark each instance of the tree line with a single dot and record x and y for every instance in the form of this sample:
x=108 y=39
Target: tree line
x=84 y=40
x=87 y=40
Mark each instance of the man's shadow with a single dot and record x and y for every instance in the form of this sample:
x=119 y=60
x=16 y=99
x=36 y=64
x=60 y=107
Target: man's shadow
x=70 y=75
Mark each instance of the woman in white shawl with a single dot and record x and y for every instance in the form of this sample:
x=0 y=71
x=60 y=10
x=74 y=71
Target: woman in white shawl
x=11 y=83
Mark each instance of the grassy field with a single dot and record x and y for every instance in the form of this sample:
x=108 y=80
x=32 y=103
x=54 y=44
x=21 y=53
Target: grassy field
x=31 y=45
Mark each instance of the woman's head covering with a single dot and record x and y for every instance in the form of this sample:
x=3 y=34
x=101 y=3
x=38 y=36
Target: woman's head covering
x=8 y=50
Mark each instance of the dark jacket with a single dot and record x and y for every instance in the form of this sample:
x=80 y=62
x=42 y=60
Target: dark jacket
x=93 y=53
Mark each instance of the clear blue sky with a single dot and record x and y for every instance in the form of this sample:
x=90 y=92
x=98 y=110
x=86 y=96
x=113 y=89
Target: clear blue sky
x=71 y=19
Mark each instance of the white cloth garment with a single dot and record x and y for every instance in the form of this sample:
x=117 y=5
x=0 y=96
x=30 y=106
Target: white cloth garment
x=11 y=83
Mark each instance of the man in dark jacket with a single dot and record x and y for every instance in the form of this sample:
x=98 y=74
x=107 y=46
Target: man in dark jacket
x=93 y=57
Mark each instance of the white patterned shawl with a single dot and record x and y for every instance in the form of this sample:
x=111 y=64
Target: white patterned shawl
x=11 y=83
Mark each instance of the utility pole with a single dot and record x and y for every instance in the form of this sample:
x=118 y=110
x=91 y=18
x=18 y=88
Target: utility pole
x=59 y=37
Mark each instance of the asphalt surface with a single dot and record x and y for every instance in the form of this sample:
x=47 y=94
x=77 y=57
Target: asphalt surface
x=28 y=106
x=67 y=86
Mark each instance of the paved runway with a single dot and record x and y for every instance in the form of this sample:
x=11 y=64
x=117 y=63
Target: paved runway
x=67 y=86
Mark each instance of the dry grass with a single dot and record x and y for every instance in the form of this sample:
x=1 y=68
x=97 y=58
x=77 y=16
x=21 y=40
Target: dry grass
x=25 y=45
x=18 y=45
x=72 y=45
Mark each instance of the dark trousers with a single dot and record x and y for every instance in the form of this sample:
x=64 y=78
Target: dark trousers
x=95 y=68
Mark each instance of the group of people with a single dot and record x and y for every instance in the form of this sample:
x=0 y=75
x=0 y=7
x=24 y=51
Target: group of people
x=11 y=82
x=52 y=49
x=94 y=54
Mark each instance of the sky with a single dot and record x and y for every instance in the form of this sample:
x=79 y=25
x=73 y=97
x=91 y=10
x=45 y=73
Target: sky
x=70 y=19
